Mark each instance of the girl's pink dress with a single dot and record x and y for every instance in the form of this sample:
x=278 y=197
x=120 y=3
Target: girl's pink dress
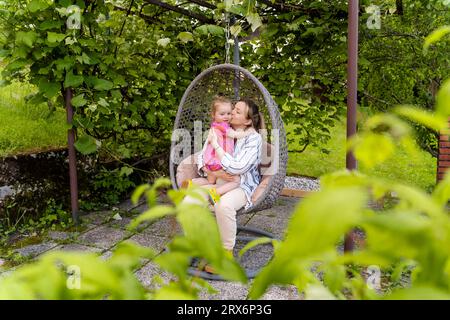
x=212 y=163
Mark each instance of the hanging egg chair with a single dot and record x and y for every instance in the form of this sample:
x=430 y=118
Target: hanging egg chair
x=234 y=82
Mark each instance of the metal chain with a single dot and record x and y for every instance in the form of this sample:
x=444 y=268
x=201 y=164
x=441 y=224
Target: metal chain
x=227 y=39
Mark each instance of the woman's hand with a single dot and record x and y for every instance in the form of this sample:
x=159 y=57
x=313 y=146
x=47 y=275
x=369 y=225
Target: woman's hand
x=212 y=138
x=221 y=174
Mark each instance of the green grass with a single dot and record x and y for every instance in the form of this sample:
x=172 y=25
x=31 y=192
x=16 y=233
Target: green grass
x=25 y=127
x=418 y=170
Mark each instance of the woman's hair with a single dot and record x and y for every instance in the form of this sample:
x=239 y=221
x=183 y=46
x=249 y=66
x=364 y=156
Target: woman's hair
x=217 y=100
x=254 y=114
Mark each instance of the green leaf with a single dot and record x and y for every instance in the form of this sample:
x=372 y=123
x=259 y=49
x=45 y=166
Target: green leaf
x=334 y=277
x=318 y=292
x=139 y=192
x=238 y=9
x=54 y=37
x=441 y=193
x=128 y=254
x=38 y=5
x=203 y=30
x=228 y=4
x=198 y=224
x=72 y=80
x=126 y=171
x=27 y=38
x=86 y=144
x=174 y=262
x=49 y=89
x=435 y=36
x=185 y=37
x=254 y=20
x=50 y=24
x=163 y=42
x=317 y=224
x=173 y=292
x=79 y=101
x=215 y=30
x=65 y=64
x=433 y=121
x=419 y=293
x=372 y=149
x=235 y=30
x=102 y=84
x=152 y=214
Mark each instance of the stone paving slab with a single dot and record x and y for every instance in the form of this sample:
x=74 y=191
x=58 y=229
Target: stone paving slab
x=103 y=237
x=166 y=227
x=122 y=223
x=225 y=291
x=60 y=235
x=74 y=247
x=147 y=276
x=237 y=291
x=97 y=218
x=283 y=209
x=254 y=258
x=140 y=208
x=151 y=241
x=34 y=250
x=276 y=226
x=243 y=219
x=104 y=233
x=106 y=255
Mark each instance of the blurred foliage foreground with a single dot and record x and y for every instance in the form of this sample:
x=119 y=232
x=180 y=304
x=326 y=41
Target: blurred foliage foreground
x=410 y=239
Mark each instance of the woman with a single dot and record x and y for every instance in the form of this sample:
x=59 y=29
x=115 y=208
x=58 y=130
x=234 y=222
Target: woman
x=244 y=162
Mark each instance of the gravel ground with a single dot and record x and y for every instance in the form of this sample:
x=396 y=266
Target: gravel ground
x=302 y=183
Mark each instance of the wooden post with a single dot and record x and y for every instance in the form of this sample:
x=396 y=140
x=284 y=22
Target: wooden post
x=352 y=87
x=72 y=158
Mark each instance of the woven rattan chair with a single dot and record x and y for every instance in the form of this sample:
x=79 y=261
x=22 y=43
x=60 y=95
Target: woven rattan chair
x=233 y=82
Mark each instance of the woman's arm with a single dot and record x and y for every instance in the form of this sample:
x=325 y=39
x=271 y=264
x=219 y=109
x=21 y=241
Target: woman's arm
x=241 y=162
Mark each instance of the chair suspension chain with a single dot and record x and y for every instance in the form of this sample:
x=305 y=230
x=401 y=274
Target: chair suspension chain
x=227 y=39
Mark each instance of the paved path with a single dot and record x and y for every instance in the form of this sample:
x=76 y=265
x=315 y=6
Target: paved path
x=102 y=233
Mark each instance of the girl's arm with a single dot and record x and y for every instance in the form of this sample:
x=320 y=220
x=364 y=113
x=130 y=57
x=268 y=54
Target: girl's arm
x=239 y=134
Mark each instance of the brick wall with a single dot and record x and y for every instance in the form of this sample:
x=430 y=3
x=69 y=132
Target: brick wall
x=443 y=161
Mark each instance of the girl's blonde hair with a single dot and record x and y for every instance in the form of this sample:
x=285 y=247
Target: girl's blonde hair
x=217 y=100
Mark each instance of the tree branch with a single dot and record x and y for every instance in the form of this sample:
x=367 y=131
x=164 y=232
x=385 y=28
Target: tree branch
x=203 y=3
x=182 y=11
x=141 y=15
x=399 y=5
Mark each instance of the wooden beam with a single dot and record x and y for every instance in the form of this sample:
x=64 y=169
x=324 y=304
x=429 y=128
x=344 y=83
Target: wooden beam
x=295 y=193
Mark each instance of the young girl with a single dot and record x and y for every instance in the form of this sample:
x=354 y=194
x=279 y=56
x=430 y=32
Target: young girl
x=221 y=109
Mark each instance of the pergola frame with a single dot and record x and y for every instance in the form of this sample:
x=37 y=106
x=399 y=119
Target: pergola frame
x=352 y=85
